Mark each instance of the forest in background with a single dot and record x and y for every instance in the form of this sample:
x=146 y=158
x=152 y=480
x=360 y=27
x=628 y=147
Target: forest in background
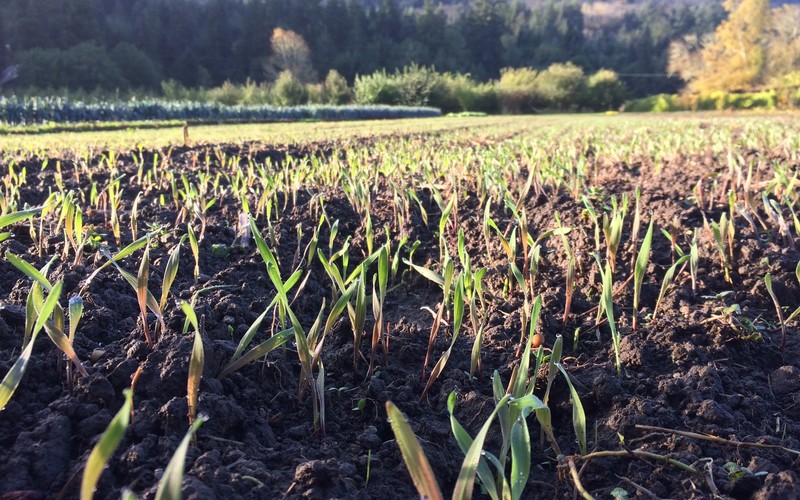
x=167 y=47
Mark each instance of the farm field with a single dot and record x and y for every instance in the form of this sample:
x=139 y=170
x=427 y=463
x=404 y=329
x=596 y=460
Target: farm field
x=607 y=305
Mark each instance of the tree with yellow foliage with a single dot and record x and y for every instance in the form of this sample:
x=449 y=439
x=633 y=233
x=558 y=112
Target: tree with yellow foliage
x=734 y=60
x=290 y=52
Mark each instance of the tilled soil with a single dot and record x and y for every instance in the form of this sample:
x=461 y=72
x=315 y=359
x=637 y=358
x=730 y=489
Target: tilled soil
x=701 y=366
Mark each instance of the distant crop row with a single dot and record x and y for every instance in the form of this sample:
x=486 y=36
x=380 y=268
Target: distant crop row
x=19 y=111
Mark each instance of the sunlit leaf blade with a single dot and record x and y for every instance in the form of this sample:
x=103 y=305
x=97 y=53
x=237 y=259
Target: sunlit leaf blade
x=520 y=457
x=14 y=217
x=257 y=352
x=464 y=441
x=466 y=476
x=248 y=336
x=105 y=447
x=170 y=272
x=29 y=271
x=669 y=277
x=169 y=488
x=578 y=414
x=196 y=363
x=642 y=261
x=62 y=342
x=416 y=462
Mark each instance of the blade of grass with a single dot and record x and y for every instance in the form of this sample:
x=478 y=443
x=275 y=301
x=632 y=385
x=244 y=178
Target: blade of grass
x=416 y=462
x=257 y=352
x=105 y=447
x=14 y=376
x=169 y=488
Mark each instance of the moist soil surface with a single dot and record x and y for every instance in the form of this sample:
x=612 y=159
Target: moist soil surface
x=710 y=362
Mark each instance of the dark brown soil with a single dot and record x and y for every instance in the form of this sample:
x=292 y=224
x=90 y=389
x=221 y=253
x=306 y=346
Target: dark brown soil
x=691 y=369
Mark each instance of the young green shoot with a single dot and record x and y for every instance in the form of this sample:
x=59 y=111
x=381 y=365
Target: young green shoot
x=14 y=376
x=768 y=283
x=105 y=447
x=414 y=457
x=669 y=277
x=640 y=268
x=196 y=363
x=170 y=486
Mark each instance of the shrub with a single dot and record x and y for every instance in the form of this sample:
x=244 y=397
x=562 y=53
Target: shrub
x=377 y=88
x=335 y=89
x=228 y=93
x=561 y=87
x=604 y=91
x=516 y=90
x=288 y=90
x=654 y=103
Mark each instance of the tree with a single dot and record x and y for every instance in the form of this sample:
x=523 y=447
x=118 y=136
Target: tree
x=685 y=56
x=735 y=59
x=135 y=66
x=783 y=47
x=290 y=53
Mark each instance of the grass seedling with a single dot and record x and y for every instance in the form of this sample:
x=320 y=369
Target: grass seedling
x=720 y=231
x=607 y=305
x=378 y=300
x=768 y=283
x=141 y=293
x=694 y=261
x=358 y=315
x=105 y=447
x=640 y=268
x=75 y=313
x=14 y=376
x=637 y=221
x=458 y=317
x=612 y=230
x=54 y=326
x=195 y=250
x=125 y=252
x=796 y=311
x=669 y=277
x=478 y=324
x=170 y=486
x=196 y=363
x=170 y=273
x=416 y=462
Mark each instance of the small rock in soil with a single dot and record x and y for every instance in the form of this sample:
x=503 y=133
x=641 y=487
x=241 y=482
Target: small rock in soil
x=369 y=439
x=785 y=380
x=781 y=485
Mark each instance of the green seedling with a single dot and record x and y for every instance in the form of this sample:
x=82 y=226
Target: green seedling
x=694 y=261
x=458 y=317
x=196 y=363
x=194 y=245
x=669 y=277
x=640 y=268
x=14 y=376
x=796 y=312
x=54 y=327
x=105 y=447
x=14 y=217
x=142 y=291
x=607 y=306
x=378 y=301
x=416 y=462
x=768 y=283
x=170 y=486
